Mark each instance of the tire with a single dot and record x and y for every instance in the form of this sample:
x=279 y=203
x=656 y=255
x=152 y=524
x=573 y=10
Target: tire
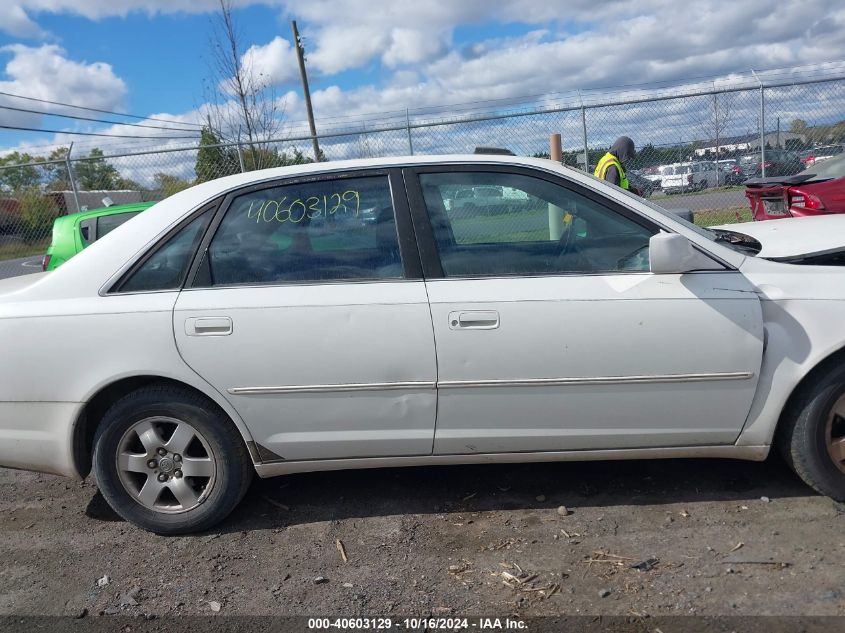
x=809 y=431
x=158 y=431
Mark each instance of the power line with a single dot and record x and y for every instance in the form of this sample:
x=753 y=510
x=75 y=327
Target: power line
x=85 y=118
x=35 y=129
x=70 y=105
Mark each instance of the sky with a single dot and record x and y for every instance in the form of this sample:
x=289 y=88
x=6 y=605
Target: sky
x=152 y=58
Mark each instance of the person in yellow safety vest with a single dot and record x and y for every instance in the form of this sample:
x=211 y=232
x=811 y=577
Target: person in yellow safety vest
x=611 y=167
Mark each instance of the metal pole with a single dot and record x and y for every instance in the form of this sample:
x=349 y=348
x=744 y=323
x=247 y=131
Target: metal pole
x=70 y=178
x=584 y=127
x=716 y=121
x=410 y=142
x=240 y=152
x=762 y=126
x=555 y=212
x=300 y=56
x=762 y=131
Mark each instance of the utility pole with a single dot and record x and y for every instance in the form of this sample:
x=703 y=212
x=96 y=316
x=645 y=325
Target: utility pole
x=300 y=56
x=71 y=179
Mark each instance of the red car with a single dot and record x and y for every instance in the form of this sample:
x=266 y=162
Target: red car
x=818 y=190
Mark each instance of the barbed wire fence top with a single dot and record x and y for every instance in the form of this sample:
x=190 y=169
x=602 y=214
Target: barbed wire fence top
x=734 y=122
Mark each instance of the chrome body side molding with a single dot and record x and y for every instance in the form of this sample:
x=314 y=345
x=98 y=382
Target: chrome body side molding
x=480 y=384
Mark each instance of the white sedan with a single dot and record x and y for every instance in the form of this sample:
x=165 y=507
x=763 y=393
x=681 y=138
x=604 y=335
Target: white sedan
x=347 y=315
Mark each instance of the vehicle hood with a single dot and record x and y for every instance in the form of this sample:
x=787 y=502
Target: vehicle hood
x=791 y=238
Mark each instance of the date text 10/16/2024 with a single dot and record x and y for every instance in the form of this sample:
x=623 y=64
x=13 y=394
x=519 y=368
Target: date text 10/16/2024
x=417 y=624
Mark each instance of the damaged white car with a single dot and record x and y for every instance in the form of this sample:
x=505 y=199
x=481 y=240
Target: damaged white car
x=349 y=315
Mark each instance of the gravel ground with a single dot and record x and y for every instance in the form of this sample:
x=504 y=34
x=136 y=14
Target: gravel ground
x=727 y=538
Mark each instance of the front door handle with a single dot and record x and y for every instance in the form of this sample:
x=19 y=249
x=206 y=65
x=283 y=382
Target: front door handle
x=474 y=320
x=208 y=326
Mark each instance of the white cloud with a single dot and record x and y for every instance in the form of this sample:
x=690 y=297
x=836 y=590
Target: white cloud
x=271 y=64
x=16 y=15
x=45 y=72
x=15 y=21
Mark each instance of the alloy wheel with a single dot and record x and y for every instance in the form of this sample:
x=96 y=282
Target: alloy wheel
x=166 y=465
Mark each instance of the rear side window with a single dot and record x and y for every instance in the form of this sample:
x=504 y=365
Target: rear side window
x=165 y=268
x=341 y=229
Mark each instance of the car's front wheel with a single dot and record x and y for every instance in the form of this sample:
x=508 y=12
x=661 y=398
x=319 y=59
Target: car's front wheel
x=169 y=461
x=812 y=437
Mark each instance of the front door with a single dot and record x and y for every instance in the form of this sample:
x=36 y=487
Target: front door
x=307 y=314
x=553 y=335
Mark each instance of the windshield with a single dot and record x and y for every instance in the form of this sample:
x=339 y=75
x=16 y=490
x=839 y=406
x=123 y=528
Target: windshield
x=733 y=240
x=739 y=243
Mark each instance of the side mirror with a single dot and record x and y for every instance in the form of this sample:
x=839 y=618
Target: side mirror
x=670 y=253
x=685 y=214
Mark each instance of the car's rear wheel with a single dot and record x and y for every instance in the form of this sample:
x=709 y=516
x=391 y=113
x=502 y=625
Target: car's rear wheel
x=812 y=437
x=170 y=461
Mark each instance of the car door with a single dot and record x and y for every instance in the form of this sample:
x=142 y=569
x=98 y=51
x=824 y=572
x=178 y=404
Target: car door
x=552 y=334
x=308 y=312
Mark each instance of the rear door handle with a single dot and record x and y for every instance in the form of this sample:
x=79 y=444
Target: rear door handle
x=208 y=326
x=474 y=320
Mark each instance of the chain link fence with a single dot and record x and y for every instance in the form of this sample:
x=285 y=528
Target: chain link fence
x=696 y=146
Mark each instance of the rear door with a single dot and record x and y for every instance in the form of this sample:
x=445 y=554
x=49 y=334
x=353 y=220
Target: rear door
x=307 y=310
x=553 y=335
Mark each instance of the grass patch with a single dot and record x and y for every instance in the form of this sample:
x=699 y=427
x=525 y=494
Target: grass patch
x=23 y=249
x=704 y=191
x=729 y=215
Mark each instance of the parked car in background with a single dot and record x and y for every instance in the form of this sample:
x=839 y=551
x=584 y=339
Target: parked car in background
x=645 y=186
x=817 y=154
x=72 y=233
x=730 y=172
x=693 y=176
x=495 y=197
x=779 y=162
x=818 y=190
x=748 y=163
x=235 y=331
x=654 y=174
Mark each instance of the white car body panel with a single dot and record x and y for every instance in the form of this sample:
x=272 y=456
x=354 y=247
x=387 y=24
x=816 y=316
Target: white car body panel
x=294 y=352
x=595 y=362
x=794 y=237
x=115 y=337
x=49 y=320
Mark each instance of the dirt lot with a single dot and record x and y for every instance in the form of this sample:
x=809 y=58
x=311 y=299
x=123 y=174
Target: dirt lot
x=730 y=538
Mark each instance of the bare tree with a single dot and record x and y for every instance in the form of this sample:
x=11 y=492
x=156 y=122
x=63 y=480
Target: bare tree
x=717 y=121
x=720 y=113
x=243 y=106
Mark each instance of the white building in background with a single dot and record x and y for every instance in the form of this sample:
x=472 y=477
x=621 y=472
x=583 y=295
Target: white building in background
x=749 y=142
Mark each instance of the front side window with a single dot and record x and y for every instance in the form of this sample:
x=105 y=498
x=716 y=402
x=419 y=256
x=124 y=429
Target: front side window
x=341 y=229
x=534 y=228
